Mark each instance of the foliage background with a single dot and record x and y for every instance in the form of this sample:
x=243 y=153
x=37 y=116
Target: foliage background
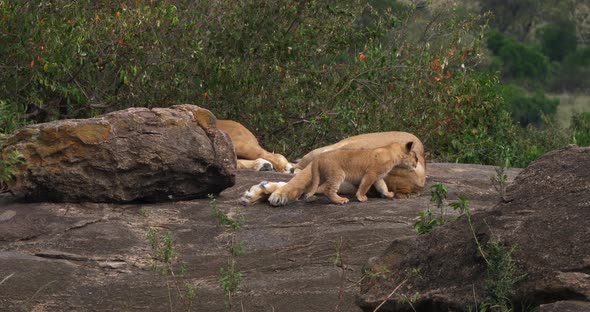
x=299 y=74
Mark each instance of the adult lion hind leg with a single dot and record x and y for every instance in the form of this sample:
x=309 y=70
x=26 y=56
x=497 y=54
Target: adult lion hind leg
x=278 y=161
x=260 y=192
x=247 y=149
x=258 y=164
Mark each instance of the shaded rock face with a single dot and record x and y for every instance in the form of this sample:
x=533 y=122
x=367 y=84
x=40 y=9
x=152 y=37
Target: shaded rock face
x=57 y=257
x=138 y=154
x=545 y=221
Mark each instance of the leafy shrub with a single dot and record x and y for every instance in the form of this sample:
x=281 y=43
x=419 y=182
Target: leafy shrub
x=580 y=128
x=299 y=75
x=85 y=58
x=528 y=109
x=11 y=117
x=519 y=61
x=558 y=39
x=514 y=16
x=9 y=160
x=500 y=276
x=573 y=73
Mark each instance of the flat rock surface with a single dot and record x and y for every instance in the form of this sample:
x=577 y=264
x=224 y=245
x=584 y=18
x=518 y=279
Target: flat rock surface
x=302 y=257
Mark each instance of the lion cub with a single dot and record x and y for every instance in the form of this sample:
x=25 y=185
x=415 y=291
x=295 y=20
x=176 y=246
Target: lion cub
x=362 y=167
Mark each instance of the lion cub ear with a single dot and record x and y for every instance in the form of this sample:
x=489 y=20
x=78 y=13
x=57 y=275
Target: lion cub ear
x=409 y=146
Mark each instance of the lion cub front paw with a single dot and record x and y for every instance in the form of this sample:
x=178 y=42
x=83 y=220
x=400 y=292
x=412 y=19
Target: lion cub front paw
x=389 y=195
x=341 y=201
x=338 y=200
x=362 y=198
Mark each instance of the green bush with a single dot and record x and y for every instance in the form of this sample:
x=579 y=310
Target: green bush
x=78 y=59
x=580 y=129
x=573 y=74
x=298 y=74
x=528 y=109
x=558 y=39
x=519 y=61
x=514 y=16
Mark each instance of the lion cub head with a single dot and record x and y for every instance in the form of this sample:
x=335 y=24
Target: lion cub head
x=409 y=158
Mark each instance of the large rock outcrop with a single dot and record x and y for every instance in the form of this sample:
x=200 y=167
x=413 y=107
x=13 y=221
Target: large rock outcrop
x=137 y=154
x=546 y=222
x=302 y=257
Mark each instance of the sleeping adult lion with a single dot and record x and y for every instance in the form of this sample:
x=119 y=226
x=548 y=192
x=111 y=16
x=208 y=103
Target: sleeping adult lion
x=402 y=182
x=362 y=167
x=250 y=154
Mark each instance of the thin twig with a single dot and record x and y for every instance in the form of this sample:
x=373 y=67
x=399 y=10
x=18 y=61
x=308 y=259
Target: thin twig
x=391 y=294
x=6 y=278
x=39 y=290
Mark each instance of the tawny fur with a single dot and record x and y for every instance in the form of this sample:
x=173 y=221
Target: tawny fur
x=401 y=181
x=360 y=167
x=249 y=153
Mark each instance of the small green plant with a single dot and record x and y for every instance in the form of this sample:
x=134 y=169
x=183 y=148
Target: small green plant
x=500 y=276
x=222 y=218
x=439 y=194
x=229 y=276
x=338 y=254
x=580 y=129
x=143 y=212
x=377 y=275
x=8 y=165
x=500 y=267
x=410 y=300
x=426 y=221
x=462 y=205
x=165 y=261
x=230 y=279
x=238 y=248
x=416 y=271
x=500 y=180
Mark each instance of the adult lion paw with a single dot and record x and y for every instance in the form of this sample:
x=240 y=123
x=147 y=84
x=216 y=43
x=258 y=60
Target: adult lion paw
x=263 y=165
x=402 y=195
x=259 y=192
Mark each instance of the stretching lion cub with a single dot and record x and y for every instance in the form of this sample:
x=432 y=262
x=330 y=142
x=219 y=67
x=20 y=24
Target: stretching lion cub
x=363 y=167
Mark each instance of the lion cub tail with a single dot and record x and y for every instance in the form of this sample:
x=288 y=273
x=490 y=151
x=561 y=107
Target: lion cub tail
x=314 y=182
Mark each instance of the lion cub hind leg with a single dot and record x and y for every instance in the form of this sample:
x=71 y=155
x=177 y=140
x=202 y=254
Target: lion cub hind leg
x=332 y=186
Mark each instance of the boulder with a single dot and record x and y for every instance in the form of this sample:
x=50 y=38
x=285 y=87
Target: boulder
x=137 y=154
x=566 y=306
x=544 y=224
